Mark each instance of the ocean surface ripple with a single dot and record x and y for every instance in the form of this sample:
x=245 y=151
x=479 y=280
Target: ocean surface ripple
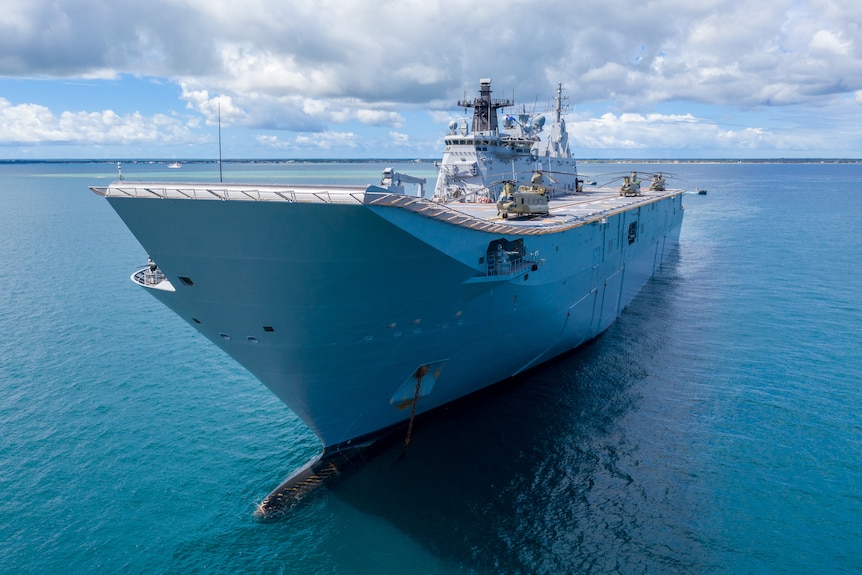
x=714 y=428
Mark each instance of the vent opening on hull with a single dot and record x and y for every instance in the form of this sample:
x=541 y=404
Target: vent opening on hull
x=633 y=232
x=268 y=328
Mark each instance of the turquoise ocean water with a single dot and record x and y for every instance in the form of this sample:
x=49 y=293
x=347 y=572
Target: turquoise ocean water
x=714 y=428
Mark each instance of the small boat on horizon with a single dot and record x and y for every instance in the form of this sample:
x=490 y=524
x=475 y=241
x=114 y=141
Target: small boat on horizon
x=175 y=165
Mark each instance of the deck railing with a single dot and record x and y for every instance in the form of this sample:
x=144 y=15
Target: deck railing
x=512 y=263
x=149 y=276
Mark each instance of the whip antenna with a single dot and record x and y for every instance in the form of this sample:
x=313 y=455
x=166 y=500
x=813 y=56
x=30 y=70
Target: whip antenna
x=219 y=143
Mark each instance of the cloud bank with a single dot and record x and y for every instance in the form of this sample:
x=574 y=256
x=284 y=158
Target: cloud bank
x=658 y=75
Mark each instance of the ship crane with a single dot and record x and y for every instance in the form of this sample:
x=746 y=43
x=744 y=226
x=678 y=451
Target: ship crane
x=394 y=182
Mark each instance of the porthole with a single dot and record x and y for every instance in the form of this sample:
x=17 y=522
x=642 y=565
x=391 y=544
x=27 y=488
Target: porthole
x=186 y=281
x=224 y=336
x=268 y=328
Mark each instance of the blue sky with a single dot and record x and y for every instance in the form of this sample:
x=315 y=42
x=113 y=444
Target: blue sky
x=350 y=79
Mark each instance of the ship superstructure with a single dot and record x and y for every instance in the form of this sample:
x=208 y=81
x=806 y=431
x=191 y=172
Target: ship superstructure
x=480 y=157
x=363 y=306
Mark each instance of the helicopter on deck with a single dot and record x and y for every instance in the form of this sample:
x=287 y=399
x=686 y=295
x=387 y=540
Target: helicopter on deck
x=524 y=200
x=631 y=183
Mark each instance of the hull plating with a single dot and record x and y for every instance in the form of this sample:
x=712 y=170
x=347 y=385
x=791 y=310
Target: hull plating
x=336 y=308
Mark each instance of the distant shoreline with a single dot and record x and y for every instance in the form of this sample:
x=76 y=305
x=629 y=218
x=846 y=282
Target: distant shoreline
x=409 y=160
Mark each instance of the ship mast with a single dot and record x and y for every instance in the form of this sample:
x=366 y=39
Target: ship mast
x=484 y=108
x=558 y=107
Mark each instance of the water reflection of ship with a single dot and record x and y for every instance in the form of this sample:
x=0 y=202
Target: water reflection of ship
x=560 y=465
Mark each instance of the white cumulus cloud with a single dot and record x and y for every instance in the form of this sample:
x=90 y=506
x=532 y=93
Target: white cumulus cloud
x=349 y=67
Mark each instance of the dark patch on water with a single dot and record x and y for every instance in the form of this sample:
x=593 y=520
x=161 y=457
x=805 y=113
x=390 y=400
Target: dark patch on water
x=542 y=474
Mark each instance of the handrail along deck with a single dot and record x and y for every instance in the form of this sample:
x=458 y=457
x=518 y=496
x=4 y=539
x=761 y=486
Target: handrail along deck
x=371 y=196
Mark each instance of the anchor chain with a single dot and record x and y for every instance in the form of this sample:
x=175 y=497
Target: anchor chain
x=421 y=371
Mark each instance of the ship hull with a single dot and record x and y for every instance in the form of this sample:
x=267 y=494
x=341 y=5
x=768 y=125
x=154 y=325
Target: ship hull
x=355 y=314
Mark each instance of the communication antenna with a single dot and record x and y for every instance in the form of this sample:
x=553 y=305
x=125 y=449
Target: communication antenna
x=219 y=143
